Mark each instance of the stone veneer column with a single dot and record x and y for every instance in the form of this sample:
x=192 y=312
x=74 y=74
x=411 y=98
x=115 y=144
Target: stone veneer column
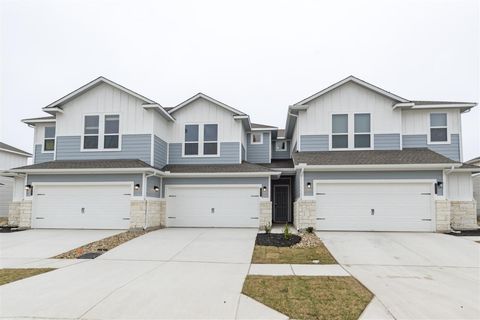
x=265 y=215
x=155 y=213
x=304 y=214
x=20 y=214
x=443 y=215
x=463 y=215
x=137 y=214
x=14 y=213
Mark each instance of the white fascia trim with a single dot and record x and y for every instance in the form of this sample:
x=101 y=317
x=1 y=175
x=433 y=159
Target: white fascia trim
x=159 y=109
x=170 y=186
x=264 y=129
x=84 y=171
x=442 y=106
x=403 y=105
x=373 y=181
x=26 y=154
x=204 y=96
x=53 y=110
x=29 y=122
x=221 y=174
x=376 y=167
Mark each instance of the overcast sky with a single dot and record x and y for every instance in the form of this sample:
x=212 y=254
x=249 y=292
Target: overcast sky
x=258 y=56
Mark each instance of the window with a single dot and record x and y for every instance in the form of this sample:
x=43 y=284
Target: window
x=210 y=139
x=91 y=132
x=438 y=127
x=362 y=130
x=339 y=131
x=281 y=145
x=256 y=138
x=191 y=139
x=111 y=131
x=49 y=139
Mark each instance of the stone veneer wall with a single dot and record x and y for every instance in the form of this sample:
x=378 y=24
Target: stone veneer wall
x=304 y=214
x=265 y=213
x=463 y=215
x=20 y=214
x=155 y=217
x=443 y=215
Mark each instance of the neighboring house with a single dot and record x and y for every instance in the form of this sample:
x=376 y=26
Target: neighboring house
x=476 y=183
x=10 y=157
x=351 y=157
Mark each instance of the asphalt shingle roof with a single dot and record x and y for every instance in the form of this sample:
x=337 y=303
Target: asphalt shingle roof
x=365 y=157
x=13 y=149
x=262 y=126
x=89 y=164
x=213 y=168
x=279 y=164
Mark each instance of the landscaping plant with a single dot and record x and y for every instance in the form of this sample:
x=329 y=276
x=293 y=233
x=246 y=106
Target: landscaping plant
x=309 y=230
x=286 y=232
x=267 y=227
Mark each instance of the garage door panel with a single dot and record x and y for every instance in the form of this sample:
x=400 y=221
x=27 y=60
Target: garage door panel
x=396 y=206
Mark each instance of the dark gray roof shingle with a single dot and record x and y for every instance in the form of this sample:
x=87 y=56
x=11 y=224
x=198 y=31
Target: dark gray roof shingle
x=262 y=126
x=89 y=164
x=213 y=168
x=13 y=149
x=359 y=157
x=279 y=164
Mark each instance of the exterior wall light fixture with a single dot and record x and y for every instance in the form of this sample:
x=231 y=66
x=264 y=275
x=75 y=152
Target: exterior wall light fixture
x=309 y=185
x=137 y=186
x=156 y=188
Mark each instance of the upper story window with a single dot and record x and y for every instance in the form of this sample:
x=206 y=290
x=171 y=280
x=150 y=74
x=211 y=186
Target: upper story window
x=49 y=139
x=339 y=131
x=101 y=135
x=362 y=136
x=201 y=139
x=281 y=145
x=256 y=138
x=438 y=127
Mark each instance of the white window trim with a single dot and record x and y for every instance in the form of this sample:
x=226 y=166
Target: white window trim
x=351 y=131
x=54 y=140
x=261 y=137
x=339 y=134
x=429 y=126
x=201 y=141
x=281 y=149
x=101 y=132
x=370 y=133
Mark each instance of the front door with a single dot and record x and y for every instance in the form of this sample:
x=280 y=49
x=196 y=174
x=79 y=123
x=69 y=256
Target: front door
x=281 y=203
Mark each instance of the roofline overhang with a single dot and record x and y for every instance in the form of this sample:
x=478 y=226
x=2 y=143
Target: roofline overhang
x=85 y=170
x=220 y=174
x=159 y=109
x=33 y=121
x=368 y=167
x=264 y=129
x=26 y=154
x=208 y=98
x=245 y=118
x=411 y=105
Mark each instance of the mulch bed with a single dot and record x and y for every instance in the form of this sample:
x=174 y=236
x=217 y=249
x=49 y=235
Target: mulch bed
x=276 y=240
x=97 y=248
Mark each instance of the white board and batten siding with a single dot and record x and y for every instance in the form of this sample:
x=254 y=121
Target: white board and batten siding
x=460 y=186
x=375 y=205
x=418 y=121
x=8 y=160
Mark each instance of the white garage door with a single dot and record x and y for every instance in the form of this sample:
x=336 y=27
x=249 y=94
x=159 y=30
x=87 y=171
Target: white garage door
x=375 y=206
x=213 y=206
x=91 y=206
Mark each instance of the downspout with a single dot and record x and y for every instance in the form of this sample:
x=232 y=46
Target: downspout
x=145 y=198
x=447 y=172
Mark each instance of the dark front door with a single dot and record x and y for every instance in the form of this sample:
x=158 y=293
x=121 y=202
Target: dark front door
x=281 y=199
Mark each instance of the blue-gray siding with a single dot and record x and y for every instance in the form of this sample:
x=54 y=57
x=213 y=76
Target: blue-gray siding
x=296 y=185
x=159 y=152
x=451 y=150
x=346 y=175
x=134 y=178
x=314 y=142
x=388 y=141
x=280 y=154
x=244 y=158
x=151 y=183
x=229 y=153
x=42 y=156
x=259 y=153
x=186 y=181
x=133 y=146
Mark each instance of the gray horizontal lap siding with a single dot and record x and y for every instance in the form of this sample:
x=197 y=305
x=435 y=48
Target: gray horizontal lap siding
x=195 y=181
x=314 y=142
x=244 y=158
x=151 y=183
x=280 y=154
x=159 y=152
x=366 y=175
x=229 y=153
x=259 y=153
x=133 y=146
x=451 y=150
x=388 y=141
x=134 y=178
x=42 y=156
x=296 y=187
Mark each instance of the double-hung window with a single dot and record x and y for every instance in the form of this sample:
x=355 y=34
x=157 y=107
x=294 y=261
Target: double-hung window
x=191 y=139
x=49 y=139
x=339 y=131
x=438 y=127
x=210 y=139
x=362 y=134
x=101 y=132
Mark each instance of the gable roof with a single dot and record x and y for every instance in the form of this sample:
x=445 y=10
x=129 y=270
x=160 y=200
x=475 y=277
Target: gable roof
x=208 y=98
x=8 y=148
x=56 y=105
x=357 y=81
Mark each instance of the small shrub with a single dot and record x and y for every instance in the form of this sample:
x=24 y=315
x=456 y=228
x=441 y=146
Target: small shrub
x=286 y=232
x=267 y=227
x=309 y=230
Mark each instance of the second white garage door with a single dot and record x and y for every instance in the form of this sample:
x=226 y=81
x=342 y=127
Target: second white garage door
x=81 y=206
x=213 y=206
x=375 y=206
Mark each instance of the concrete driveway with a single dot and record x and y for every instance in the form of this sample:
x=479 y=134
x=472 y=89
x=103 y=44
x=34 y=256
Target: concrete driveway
x=19 y=249
x=167 y=274
x=414 y=275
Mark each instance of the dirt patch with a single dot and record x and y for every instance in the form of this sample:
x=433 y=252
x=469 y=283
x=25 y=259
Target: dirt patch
x=3 y=221
x=94 y=249
x=465 y=233
x=10 y=275
x=276 y=240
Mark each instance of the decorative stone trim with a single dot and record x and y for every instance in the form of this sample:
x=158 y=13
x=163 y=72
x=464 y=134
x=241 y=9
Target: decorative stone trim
x=463 y=215
x=20 y=214
x=265 y=216
x=442 y=208
x=304 y=214
x=147 y=214
x=14 y=213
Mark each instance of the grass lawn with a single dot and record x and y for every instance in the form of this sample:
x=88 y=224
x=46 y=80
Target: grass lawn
x=292 y=255
x=298 y=297
x=10 y=275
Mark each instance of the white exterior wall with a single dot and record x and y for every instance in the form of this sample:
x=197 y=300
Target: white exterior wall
x=418 y=121
x=10 y=160
x=104 y=99
x=161 y=126
x=295 y=137
x=18 y=189
x=203 y=111
x=39 y=132
x=459 y=186
x=349 y=98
